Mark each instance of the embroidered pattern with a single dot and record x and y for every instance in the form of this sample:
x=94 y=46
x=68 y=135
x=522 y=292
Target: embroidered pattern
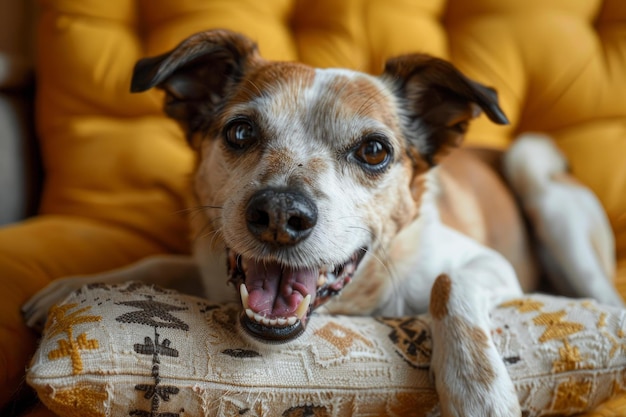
x=572 y=395
x=342 y=338
x=411 y=337
x=524 y=305
x=616 y=346
x=307 y=411
x=157 y=315
x=241 y=353
x=150 y=311
x=63 y=322
x=570 y=359
x=80 y=401
x=556 y=327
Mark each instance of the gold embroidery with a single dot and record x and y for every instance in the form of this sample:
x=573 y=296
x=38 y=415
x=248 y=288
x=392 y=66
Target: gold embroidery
x=60 y=321
x=571 y=395
x=615 y=344
x=341 y=337
x=524 y=305
x=591 y=306
x=570 y=359
x=556 y=327
x=78 y=402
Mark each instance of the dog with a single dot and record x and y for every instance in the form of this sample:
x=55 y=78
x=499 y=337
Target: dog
x=334 y=188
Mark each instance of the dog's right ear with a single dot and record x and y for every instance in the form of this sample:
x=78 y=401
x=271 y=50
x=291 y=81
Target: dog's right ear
x=197 y=74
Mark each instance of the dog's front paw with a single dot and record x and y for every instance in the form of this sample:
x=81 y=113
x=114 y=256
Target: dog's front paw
x=465 y=397
x=474 y=384
x=470 y=376
x=35 y=310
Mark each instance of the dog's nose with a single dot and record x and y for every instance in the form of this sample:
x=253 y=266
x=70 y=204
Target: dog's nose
x=280 y=217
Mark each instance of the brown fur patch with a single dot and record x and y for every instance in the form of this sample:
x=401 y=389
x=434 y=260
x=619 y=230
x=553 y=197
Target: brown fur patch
x=362 y=97
x=476 y=346
x=311 y=171
x=439 y=296
x=316 y=165
x=267 y=77
x=418 y=187
x=277 y=163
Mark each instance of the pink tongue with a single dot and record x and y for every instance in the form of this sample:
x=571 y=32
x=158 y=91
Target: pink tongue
x=277 y=291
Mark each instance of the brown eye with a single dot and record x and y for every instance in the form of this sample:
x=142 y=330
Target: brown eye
x=239 y=134
x=374 y=153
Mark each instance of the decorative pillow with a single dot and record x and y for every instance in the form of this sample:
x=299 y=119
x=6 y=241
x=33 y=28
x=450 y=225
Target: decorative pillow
x=143 y=351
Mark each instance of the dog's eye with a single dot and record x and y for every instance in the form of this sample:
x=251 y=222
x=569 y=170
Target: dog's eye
x=373 y=152
x=240 y=133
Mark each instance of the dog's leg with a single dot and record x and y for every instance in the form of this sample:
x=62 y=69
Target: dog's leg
x=470 y=376
x=172 y=271
x=577 y=244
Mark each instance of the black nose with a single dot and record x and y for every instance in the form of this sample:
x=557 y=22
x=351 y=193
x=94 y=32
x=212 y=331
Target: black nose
x=280 y=217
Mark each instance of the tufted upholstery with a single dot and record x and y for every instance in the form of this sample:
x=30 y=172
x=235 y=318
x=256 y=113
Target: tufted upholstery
x=116 y=169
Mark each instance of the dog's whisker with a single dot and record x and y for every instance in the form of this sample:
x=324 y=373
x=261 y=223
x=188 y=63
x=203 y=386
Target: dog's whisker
x=197 y=209
x=388 y=266
x=212 y=230
x=210 y=234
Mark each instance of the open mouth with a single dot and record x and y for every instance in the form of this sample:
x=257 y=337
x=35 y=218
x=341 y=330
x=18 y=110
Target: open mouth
x=277 y=300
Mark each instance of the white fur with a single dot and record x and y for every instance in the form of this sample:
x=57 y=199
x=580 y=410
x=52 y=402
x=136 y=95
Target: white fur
x=568 y=219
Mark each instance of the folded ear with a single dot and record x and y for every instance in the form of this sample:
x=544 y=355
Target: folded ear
x=197 y=74
x=437 y=102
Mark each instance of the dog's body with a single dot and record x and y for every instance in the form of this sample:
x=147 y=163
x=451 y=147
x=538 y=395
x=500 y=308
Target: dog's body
x=308 y=179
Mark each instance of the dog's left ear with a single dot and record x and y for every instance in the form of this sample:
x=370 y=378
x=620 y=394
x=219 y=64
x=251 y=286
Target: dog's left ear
x=437 y=102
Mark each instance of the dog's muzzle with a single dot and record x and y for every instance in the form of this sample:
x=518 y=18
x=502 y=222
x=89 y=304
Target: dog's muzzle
x=277 y=299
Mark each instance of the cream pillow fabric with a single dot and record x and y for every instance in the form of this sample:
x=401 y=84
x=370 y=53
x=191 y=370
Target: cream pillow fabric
x=142 y=351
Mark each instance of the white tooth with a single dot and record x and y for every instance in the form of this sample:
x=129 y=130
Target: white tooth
x=331 y=277
x=303 y=308
x=265 y=321
x=273 y=322
x=243 y=292
x=291 y=320
x=281 y=321
x=249 y=313
x=258 y=318
x=321 y=280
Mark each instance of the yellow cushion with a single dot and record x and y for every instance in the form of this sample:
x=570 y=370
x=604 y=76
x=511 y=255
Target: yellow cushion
x=116 y=169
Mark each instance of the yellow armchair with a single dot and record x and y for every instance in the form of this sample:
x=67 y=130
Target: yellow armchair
x=116 y=168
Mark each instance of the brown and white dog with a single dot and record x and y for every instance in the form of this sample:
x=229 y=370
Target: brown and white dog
x=309 y=179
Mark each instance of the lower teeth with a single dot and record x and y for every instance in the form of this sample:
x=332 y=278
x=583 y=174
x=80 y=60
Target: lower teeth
x=280 y=321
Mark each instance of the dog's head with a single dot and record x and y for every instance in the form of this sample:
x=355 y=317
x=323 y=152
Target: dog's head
x=306 y=175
